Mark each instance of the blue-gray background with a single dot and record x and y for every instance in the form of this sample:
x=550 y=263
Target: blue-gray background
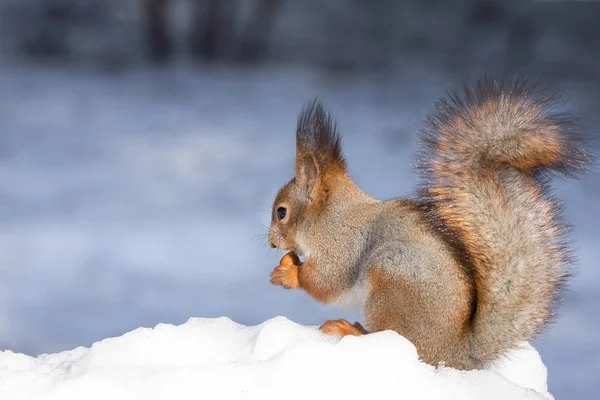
x=134 y=192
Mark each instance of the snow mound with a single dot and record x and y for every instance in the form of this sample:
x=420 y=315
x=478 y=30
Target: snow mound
x=216 y=358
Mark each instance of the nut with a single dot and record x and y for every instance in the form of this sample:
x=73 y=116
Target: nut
x=290 y=259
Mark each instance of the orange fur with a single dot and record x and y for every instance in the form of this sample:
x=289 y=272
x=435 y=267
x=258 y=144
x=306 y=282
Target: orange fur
x=309 y=278
x=286 y=276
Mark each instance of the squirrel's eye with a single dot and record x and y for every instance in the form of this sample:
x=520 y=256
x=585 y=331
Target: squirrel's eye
x=281 y=212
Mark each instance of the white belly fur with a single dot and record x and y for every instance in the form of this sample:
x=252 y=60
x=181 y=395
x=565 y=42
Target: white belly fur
x=355 y=298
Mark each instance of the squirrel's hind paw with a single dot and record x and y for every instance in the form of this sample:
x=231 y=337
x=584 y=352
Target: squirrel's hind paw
x=342 y=328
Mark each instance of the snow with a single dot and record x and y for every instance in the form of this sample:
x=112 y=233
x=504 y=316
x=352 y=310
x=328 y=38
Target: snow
x=218 y=358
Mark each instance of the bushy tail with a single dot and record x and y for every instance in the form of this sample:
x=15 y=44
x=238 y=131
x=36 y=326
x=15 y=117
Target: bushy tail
x=486 y=157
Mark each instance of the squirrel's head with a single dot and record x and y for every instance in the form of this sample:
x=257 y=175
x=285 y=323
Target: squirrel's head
x=319 y=164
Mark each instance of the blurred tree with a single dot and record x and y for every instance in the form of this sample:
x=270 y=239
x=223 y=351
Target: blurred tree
x=213 y=26
x=255 y=40
x=50 y=39
x=158 y=33
x=217 y=30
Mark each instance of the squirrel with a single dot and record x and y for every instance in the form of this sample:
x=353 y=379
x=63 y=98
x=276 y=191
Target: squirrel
x=471 y=264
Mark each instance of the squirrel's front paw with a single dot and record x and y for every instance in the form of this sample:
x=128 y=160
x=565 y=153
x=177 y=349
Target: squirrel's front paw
x=286 y=276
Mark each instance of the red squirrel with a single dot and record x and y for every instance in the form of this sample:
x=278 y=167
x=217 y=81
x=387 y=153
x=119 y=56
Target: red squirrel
x=468 y=267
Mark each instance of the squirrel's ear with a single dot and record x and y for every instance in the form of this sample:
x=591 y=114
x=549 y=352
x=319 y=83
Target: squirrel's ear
x=318 y=144
x=307 y=170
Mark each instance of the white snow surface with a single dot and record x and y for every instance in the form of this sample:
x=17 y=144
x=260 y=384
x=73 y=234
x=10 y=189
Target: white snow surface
x=217 y=358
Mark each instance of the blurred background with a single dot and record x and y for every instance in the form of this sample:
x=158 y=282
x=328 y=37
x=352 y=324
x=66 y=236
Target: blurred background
x=143 y=141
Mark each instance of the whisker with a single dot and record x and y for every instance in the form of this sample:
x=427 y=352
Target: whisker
x=256 y=238
x=269 y=230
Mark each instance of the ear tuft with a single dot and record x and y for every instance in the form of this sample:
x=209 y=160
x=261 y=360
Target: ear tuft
x=317 y=134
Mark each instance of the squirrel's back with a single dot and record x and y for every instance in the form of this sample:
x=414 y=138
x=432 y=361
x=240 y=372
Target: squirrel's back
x=485 y=157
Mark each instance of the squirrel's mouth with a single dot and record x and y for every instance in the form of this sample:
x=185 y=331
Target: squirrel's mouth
x=297 y=250
x=293 y=248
